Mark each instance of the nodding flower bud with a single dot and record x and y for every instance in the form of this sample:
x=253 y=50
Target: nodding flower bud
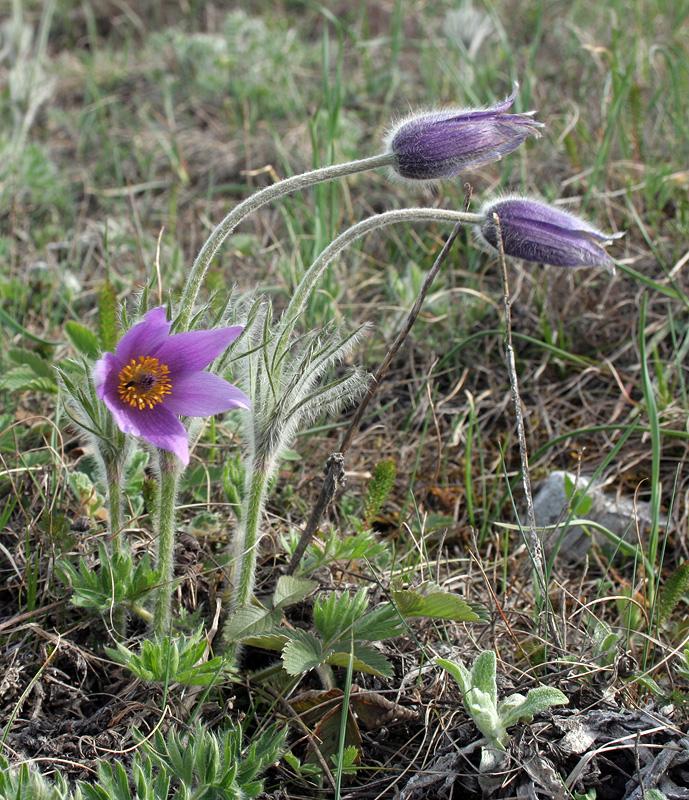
x=537 y=232
x=439 y=144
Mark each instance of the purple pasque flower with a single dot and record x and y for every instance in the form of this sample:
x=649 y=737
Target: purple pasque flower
x=538 y=232
x=439 y=144
x=152 y=377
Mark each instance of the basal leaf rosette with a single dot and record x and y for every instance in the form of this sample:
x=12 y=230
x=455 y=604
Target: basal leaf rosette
x=152 y=377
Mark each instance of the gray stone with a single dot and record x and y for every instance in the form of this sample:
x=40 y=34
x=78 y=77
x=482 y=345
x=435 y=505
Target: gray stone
x=622 y=516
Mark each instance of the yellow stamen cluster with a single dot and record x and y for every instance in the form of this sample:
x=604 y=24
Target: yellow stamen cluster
x=144 y=382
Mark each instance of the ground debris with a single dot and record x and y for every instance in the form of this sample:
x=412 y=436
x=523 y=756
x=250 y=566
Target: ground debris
x=621 y=753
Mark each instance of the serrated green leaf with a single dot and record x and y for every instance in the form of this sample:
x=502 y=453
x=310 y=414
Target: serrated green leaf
x=82 y=339
x=291 y=589
x=302 y=653
x=366 y=659
x=382 y=623
x=437 y=605
x=268 y=641
x=251 y=621
x=483 y=674
x=336 y=614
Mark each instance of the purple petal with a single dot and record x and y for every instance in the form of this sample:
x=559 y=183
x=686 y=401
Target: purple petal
x=536 y=232
x=200 y=394
x=196 y=349
x=525 y=209
x=105 y=374
x=157 y=425
x=441 y=144
x=145 y=337
x=498 y=108
x=549 y=244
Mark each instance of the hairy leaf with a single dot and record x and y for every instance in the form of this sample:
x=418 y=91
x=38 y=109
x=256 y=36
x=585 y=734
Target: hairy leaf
x=537 y=700
x=483 y=674
x=458 y=671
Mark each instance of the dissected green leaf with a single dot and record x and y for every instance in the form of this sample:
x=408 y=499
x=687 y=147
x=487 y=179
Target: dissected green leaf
x=177 y=659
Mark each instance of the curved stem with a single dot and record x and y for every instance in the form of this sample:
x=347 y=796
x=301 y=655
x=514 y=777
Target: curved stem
x=253 y=203
x=313 y=274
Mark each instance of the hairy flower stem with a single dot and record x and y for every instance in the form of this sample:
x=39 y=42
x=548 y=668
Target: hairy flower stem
x=253 y=203
x=246 y=541
x=170 y=470
x=114 y=500
x=113 y=471
x=315 y=271
x=335 y=465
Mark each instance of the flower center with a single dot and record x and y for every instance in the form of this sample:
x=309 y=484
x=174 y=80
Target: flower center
x=144 y=382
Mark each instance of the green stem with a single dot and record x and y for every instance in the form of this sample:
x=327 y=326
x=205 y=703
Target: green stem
x=114 y=481
x=253 y=203
x=113 y=471
x=311 y=277
x=169 y=478
x=246 y=543
x=140 y=611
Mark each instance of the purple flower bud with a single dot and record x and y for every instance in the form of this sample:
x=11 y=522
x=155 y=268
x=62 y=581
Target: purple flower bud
x=439 y=144
x=537 y=232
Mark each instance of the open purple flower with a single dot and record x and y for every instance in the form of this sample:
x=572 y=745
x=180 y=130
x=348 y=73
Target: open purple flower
x=152 y=376
x=439 y=144
x=537 y=232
